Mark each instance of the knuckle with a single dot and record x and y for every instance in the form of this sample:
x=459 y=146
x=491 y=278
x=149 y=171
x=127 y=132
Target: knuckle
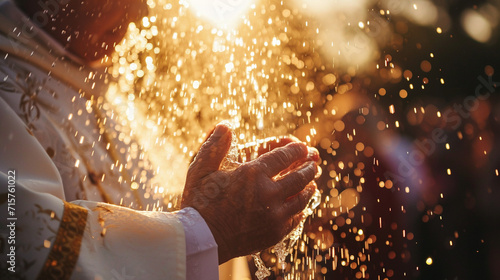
x=249 y=170
x=283 y=156
x=304 y=176
x=280 y=155
x=298 y=148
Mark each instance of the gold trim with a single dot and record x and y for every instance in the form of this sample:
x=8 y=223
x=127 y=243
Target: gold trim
x=66 y=249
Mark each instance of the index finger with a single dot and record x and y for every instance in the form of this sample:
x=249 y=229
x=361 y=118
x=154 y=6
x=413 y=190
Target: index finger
x=273 y=162
x=254 y=150
x=276 y=143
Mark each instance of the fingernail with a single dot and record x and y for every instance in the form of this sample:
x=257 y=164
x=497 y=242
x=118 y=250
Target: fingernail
x=220 y=130
x=313 y=154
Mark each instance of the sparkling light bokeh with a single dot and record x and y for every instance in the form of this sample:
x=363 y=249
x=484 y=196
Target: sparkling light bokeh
x=301 y=67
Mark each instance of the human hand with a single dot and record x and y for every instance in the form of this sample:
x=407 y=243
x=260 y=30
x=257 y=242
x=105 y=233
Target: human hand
x=253 y=150
x=247 y=209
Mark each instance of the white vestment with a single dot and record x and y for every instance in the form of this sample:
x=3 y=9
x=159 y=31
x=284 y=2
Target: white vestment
x=59 y=143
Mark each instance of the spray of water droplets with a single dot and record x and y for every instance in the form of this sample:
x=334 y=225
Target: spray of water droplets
x=282 y=249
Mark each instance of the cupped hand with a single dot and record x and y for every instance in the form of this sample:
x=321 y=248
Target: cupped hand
x=249 y=208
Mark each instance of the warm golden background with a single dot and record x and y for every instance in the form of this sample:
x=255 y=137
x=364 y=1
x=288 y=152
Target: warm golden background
x=369 y=83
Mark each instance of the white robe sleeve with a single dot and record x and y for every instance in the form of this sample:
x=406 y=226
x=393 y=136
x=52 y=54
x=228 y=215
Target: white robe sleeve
x=53 y=239
x=201 y=249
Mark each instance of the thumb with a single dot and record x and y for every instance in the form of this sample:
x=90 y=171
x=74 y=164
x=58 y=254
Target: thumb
x=212 y=152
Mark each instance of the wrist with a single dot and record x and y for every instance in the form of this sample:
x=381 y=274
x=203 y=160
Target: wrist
x=223 y=247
